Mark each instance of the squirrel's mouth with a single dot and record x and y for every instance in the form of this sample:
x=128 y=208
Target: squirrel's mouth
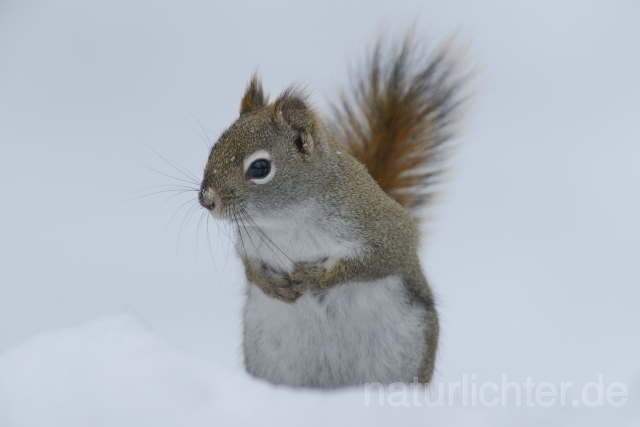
x=226 y=211
x=206 y=197
x=212 y=202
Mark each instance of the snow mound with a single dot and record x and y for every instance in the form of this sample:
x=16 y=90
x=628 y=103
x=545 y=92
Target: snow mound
x=113 y=371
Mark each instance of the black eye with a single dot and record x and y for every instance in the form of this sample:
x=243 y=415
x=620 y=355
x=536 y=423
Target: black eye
x=259 y=169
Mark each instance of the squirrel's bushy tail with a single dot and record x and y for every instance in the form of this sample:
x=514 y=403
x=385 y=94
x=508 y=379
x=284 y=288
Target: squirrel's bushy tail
x=401 y=114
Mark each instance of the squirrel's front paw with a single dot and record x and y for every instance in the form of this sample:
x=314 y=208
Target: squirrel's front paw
x=310 y=276
x=277 y=286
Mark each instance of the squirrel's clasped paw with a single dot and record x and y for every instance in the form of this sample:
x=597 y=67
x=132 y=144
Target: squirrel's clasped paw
x=306 y=276
x=310 y=276
x=278 y=286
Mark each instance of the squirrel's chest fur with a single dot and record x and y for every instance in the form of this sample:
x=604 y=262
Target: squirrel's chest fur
x=304 y=233
x=351 y=334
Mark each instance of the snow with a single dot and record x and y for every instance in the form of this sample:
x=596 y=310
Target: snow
x=129 y=313
x=114 y=371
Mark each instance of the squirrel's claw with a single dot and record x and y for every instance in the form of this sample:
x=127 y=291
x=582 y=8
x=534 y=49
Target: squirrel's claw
x=310 y=276
x=279 y=287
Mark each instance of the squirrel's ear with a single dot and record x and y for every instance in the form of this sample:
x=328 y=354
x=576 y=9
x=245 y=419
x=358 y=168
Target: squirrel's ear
x=292 y=110
x=253 y=97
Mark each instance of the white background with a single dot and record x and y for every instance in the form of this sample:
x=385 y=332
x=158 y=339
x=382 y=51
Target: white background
x=534 y=249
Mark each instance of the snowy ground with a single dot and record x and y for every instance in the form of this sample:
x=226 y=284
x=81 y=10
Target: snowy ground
x=114 y=371
x=121 y=314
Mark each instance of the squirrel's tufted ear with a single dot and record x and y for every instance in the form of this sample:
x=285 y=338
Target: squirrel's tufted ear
x=292 y=110
x=253 y=97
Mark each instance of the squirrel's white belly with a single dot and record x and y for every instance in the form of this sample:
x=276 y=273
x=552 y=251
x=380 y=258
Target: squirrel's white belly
x=352 y=334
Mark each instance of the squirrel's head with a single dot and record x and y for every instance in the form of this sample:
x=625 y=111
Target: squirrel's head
x=263 y=163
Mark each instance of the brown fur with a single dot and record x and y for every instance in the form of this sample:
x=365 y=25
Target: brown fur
x=253 y=96
x=400 y=117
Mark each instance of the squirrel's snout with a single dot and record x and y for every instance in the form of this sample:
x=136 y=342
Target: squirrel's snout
x=206 y=199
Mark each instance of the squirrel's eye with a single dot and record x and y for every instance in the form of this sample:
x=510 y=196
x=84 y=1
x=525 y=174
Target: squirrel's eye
x=259 y=169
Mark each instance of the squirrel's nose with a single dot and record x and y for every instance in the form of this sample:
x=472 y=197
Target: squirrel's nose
x=206 y=199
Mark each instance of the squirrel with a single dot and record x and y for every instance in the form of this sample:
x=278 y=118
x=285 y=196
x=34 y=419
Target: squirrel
x=327 y=221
